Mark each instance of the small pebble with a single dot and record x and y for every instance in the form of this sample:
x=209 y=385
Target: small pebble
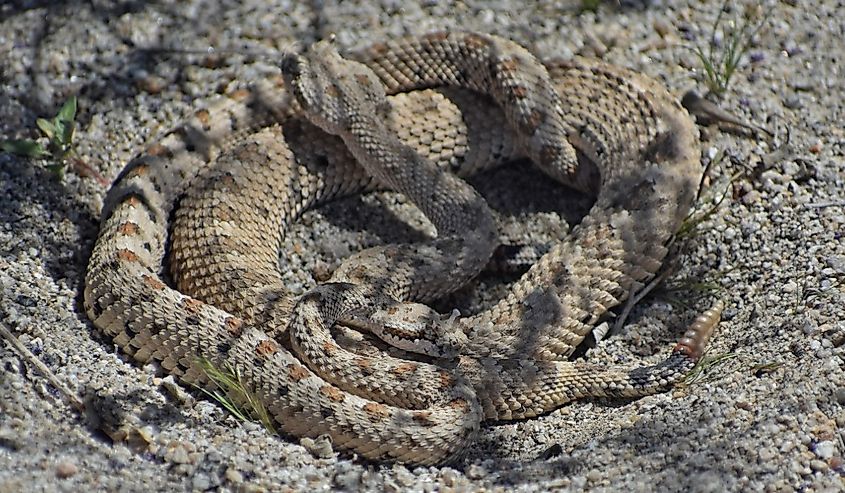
x=818 y=465
x=234 y=476
x=201 y=482
x=320 y=447
x=66 y=469
x=791 y=168
x=751 y=198
x=448 y=476
x=474 y=471
x=177 y=453
x=766 y=454
x=792 y=102
x=662 y=27
x=151 y=84
x=177 y=391
x=836 y=262
x=712 y=152
x=824 y=449
x=745 y=405
x=792 y=49
x=403 y=476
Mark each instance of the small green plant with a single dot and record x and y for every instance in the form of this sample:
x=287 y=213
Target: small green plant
x=721 y=64
x=232 y=391
x=689 y=227
x=682 y=294
x=700 y=373
x=59 y=132
x=690 y=224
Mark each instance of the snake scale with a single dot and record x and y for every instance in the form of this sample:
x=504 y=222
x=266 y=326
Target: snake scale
x=361 y=358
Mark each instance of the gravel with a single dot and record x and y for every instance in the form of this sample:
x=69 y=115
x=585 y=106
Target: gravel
x=769 y=417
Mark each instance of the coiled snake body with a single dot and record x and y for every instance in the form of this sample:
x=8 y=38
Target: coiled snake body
x=402 y=113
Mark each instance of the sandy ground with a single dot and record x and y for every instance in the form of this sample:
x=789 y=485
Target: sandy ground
x=769 y=417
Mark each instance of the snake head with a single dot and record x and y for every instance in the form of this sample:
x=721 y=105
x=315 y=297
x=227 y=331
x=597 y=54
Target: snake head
x=336 y=94
x=417 y=328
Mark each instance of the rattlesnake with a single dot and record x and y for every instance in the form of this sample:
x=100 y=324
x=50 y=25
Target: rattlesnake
x=246 y=167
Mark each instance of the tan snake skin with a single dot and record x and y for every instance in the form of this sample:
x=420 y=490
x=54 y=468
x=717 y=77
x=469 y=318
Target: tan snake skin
x=245 y=168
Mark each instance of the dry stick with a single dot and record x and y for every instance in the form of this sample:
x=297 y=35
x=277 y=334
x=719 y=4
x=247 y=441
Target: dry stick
x=706 y=111
x=69 y=396
x=824 y=205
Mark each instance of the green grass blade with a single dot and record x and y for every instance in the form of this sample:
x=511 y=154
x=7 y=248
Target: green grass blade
x=64 y=122
x=699 y=373
x=25 y=148
x=68 y=111
x=47 y=127
x=229 y=381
